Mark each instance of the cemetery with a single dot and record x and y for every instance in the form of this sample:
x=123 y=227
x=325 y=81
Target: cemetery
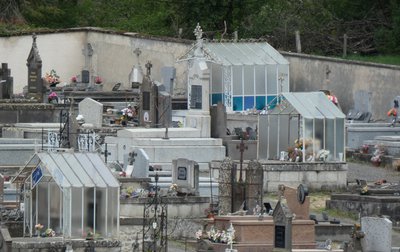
x=127 y=167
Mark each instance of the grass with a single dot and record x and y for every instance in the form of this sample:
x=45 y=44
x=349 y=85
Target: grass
x=381 y=59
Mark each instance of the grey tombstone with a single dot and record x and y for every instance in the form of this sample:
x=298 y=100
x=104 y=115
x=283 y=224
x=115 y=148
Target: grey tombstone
x=185 y=174
x=164 y=109
x=6 y=82
x=218 y=121
x=362 y=100
x=283 y=226
x=378 y=234
x=254 y=182
x=34 y=64
x=140 y=161
x=168 y=75
x=225 y=187
x=92 y=111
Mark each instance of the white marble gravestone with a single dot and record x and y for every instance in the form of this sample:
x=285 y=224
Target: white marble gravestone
x=140 y=163
x=185 y=174
x=378 y=234
x=92 y=112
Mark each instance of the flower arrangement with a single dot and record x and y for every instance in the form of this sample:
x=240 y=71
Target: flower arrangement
x=376 y=159
x=295 y=154
x=98 y=80
x=173 y=190
x=49 y=233
x=39 y=227
x=323 y=154
x=74 y=79
x=365 y=148
x=221 y=236
x=52 y=78
x=131 y=193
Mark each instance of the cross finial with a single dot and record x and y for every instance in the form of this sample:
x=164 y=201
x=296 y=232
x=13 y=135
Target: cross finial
x=148 y=67
x=137 y=51
x=198 y=32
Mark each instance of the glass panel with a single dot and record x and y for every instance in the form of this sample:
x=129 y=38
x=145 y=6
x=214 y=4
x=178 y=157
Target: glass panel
x=94 y=174
x=216 y=82
x=101 y=209
x=319 y=135
x=195 y=97
x=248 y=102
x=260 y=80
x=271 y=80
x=42 y=204
x=88 y=205
x=248 y=80
x=271 y=101
x=273 y=137
x=330 y=136
x=73 y=162
x=284 y=136
x=340 y=145
x=237 y=80
x=216 y=98
x=260 y=102
x=284 y=75
x=112 y=218
x=66 y=212
x=66 y=169
x=55 y=171
x=76 y=214
x=237 y=103
x=106 y=174
x=55 y=207
x=263 y=136
x=308 y=139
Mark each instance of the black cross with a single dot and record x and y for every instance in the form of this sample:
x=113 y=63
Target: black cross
x=106 y=153
x=242 y=147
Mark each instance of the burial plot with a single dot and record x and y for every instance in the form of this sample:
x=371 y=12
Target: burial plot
x=34 y=64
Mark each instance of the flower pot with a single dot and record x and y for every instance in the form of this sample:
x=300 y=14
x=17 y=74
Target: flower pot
x=210 y=216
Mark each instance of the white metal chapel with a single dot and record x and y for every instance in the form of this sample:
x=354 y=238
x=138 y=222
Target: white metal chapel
x=242 y=75
x=71 y=193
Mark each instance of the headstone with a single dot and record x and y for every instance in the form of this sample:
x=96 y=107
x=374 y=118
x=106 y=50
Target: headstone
x=140 y=163
x=34 y=64
x=92 y=112
x=185 y=174
x=225 y=187
x=218 y=121
x=6 y=82
x=254 y=190
x=362 y=100
x=283 y=226
x=148 y=94
x=168 y=75
x=378 y=234
x=164 y=109
x=1 y=188
x=297 y=200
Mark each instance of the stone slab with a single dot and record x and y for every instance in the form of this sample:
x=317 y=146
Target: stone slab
x=159 y=133
x=378 y=234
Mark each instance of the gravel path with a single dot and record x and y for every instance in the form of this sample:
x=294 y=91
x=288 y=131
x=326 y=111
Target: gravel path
x=371 y=173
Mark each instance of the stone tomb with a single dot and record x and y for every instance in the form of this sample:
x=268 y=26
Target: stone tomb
x=378 y=234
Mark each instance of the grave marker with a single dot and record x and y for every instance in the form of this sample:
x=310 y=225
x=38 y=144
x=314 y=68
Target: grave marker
x=141 y=163
x=283 y=226
x=92 y=111
x=34 y=64
x=6 y=82
x=185 y=174
x=378 y=234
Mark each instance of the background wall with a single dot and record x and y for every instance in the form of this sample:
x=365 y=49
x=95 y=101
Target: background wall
x=344 y=78
x=112 y=58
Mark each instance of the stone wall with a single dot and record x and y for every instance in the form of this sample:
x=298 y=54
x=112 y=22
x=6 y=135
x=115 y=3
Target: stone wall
x=311 y=73
x=112 y=58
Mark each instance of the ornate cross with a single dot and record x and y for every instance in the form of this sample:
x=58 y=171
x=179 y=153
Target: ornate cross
x=106 y=153
x=148 y=67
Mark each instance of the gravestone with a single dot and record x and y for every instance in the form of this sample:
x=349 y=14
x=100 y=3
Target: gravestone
x=140 y=163
x=168 y=75
x=378 y=234
x=254 y=190
x=185 y=174
x=283 y=226
x=218 y=121
x=92 y=112
x=297 y=200
x=225 y=187
x=34 y=64
x=148 y=94
x=362 y=100
x=6 y=82
x=164 y=109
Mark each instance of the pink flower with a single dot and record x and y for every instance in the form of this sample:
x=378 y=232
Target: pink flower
x=74 y=79
x=98 y=80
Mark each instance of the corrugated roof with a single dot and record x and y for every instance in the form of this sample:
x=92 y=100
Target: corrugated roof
x=313 y=105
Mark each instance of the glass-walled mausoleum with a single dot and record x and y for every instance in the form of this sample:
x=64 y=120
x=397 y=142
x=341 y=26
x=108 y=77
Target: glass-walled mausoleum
x=246 y=75
x=71 y=193
x=308 y=124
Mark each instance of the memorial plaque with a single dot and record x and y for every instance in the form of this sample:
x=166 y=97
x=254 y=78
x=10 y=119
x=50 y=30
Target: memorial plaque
x=182 y=173
x=195 y=98
x=279 y=236
x=85 y=76
x=185 y=174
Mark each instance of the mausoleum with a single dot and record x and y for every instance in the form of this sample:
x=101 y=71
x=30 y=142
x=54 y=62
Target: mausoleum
x=73 y=194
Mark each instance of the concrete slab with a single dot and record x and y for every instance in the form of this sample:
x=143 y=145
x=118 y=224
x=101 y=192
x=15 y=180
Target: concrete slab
x=159 y=133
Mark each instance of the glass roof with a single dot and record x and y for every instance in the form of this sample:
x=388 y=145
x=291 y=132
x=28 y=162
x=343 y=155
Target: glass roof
x=313 y=105
x=244 y=54
x=78 y=169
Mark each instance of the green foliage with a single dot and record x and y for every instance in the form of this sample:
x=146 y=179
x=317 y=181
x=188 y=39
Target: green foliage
x=372 y=26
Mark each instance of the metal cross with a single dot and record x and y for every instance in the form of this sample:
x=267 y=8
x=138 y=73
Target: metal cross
x=242 y=147
x=106 y=153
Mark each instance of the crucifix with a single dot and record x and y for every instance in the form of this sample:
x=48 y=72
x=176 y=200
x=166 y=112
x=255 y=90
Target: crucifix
x=87 y=52
x=106 y=153
x=242 y=147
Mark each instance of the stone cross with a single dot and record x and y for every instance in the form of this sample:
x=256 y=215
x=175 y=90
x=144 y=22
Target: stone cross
x=87 y=52
x=148 y=67
x=242 y=147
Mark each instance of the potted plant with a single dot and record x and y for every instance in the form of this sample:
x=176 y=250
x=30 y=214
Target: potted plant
x=98 y=80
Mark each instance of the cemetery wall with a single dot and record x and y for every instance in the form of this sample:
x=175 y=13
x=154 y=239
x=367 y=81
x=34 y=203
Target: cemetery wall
x=112 y=58
x=344 y=78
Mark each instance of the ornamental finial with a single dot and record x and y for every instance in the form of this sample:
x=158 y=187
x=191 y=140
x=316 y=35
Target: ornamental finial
x=198 y=32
